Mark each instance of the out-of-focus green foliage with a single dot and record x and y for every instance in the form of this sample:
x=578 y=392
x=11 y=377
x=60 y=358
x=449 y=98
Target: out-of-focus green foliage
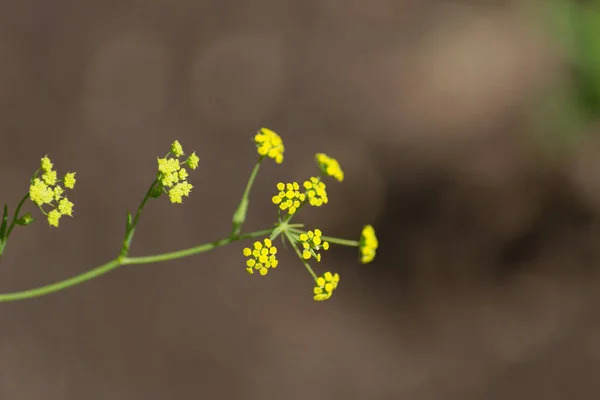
x=567 y=109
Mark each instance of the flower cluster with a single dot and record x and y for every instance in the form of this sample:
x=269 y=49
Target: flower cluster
x=329 y=166
x=47 y=190
x=269 y=144
x=261 y=258
x=315 y=192
x=368 y=244
x=307 y=244
x=289 y=197
x=172 y=176
x=311 y=243
x=325 y=285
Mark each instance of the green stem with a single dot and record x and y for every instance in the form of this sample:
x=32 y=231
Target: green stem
x=310 y=270
x=131 y=227
x=343 y=242
x=113 y=264
x=12 y=225
x=239 y=217
x=193 y=250
x=16 y=216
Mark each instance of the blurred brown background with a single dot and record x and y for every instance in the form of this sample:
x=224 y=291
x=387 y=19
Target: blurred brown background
x=486 y=282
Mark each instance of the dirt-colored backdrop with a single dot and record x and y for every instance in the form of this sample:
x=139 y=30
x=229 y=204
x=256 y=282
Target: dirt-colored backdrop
x=486 y=283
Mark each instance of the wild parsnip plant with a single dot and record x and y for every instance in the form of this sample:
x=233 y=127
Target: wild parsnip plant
x=46 y=190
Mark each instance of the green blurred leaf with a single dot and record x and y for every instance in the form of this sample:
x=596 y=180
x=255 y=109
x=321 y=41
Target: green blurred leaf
x=4 y=222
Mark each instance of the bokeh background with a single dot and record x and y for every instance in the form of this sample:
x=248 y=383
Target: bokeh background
x=468 y=134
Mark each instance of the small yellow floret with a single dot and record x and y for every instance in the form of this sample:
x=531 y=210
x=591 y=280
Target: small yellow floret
x=312 y=242
x=289 y=197
x=316 y=192
x=268 y=143
x=261 y=257
x=325 y=285
x=193 y=161
x=176 y=149
x=69 y=180
x=329 y=166
x=368 y=244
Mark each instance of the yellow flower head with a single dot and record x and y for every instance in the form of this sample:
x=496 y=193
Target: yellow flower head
x=368 y=244
x=54 y=217
x=69 y=180
x=315 y=192
x=329 y=166
x=177 y=192
x=47 y=190
x=46 y=164
x=289 y=197
x=176 y=149
x=50 y=177
x=261 y=257
x=325 y=285
x=268 y=143
x=311 y=243
x=172 y=178
x=193 y=161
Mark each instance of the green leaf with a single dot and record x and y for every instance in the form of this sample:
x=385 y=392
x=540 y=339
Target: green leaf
x=4 y=222
x=240 y=214
x=129 y=221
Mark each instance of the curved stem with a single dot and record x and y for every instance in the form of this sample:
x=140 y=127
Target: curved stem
x=193 y=250
x=55 y=287
x=117 y=262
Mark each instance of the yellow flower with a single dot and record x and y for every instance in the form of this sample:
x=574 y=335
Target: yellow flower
x=329 y=166
x=50 y=177
x=368 y=244
x=325 y=285
x=69 y=180
x=46 y=190
x=65 y=207
x=261 y=257
x=289 y=197
x=40 y=193
x=192 y=161
x=177 y=192
x=172 y=176
x=269 y=144
x=46 y=164
x=176 y=149
x=54 y=217
x=315 y=192
x=311 y=243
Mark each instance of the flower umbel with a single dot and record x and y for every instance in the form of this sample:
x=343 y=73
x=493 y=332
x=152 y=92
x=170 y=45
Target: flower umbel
x=268 y=143
x=325 y=285
x=315 y=192
x=311 y=243
x=289 y=197
x=172 y=177
x=261 y=257
x=47 y=190
x=329 y=166
x=368 y=244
